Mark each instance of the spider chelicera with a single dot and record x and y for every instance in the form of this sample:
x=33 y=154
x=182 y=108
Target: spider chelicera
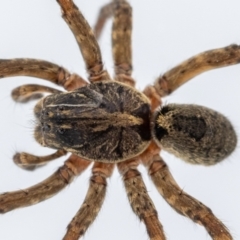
x=62 y=130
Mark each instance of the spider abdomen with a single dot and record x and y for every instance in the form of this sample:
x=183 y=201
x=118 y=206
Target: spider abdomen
x=105 y=121
x=194 y=133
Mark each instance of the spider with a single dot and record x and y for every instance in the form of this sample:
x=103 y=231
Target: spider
x=142 y=155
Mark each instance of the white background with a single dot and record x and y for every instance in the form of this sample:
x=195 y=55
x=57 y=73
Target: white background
x=165 y=33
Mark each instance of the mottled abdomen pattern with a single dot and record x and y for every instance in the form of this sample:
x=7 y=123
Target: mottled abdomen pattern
x=194 y=133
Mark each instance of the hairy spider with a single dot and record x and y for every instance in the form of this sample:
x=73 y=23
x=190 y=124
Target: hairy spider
x=181 y=192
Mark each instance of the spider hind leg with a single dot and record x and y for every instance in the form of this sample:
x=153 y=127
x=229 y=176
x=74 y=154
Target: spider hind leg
x=205 y=61
x=180 y=201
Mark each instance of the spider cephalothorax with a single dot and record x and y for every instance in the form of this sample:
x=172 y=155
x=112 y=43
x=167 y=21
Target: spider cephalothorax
x=107 y=122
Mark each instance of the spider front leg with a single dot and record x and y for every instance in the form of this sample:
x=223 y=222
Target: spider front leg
x=178 y=199
x=45 y=189
x=139 y=199
x=39 y=69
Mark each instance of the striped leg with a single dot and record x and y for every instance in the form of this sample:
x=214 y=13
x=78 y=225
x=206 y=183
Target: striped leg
x=178 y=199
x=139 y=199
x=45 y=189
x=92 y=202
x=121 y=37
x=40 y=69
x=217 y=58
x=86 y=40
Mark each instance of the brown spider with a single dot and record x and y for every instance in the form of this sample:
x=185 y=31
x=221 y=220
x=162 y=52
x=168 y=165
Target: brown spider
x=124 y=163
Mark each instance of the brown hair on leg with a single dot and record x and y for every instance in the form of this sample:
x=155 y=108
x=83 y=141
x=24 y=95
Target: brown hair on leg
x=139 y=199
x=92 y=202
x=179 y=200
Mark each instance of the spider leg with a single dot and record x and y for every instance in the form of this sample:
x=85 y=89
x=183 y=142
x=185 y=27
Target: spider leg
x=45 y=189
x=105 y=12
x=40 y=69
x=175 y=77
x=179 y=200
x=86 y=40
x=121 y=37
x=139 y=199
x=92 y=202
x=30 y=162
x=121 y=42
x=153 y=96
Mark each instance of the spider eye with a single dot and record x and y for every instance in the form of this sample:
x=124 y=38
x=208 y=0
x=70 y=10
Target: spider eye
x=61 y=130
x=194 y=133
